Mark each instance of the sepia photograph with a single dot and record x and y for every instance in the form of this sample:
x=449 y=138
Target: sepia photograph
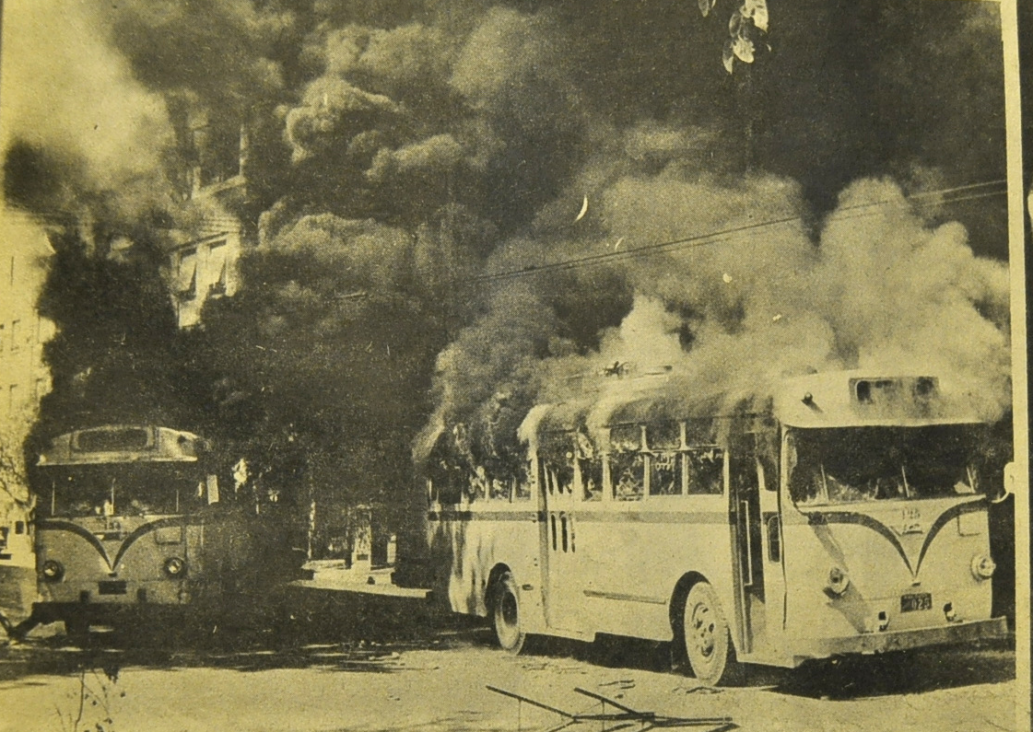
x=514 y=365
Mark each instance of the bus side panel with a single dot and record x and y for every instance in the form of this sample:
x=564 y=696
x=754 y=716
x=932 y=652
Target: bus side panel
x=632 y=560
x=464 y=548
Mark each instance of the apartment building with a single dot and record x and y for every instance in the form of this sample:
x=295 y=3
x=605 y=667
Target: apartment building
x=24 y=378
x=203 y=264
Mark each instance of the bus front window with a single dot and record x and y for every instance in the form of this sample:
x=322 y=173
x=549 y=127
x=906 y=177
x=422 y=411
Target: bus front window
x=126 y=490
x=864 y=464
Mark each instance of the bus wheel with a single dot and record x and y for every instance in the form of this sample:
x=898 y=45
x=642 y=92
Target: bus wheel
x=506 y=614
x=78 y=631
x=707 y=640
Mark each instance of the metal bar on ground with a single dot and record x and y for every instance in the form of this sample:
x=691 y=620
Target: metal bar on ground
x=616 y=705
x=518 y=697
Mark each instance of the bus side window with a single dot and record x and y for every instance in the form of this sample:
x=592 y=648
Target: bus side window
x=627 y=463
x=522 y=484
x=665 y=474
x=664 y=441
x=706 y=471
x=477 y=487
x=627 y=473
x=498 y=489
x=767 y=455
x=591 y=470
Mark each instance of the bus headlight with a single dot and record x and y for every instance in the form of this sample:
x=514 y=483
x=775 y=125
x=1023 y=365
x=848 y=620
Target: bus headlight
x=838 y=581
x=53 y=571
x=983 y=567
x=175 y=567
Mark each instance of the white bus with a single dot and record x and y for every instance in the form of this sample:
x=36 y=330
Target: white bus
x=846 y=516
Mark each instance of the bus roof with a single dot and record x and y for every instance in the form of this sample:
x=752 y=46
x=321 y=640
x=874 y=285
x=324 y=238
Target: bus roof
x=867 y=399
x=120 y=444
x=830 y=399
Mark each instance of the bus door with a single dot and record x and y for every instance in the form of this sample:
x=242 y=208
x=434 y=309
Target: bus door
x=774 y=583
x=748 y=569
x=558 y=544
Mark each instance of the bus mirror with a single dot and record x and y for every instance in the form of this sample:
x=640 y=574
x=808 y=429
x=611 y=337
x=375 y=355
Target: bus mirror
x=1011 y=478
x=213 y=489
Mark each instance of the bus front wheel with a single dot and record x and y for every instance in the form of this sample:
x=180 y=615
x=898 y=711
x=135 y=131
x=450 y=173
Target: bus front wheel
x=705 y=633
x=506 y=614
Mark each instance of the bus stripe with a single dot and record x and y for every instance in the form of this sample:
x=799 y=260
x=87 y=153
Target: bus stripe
x=943 y=519
x=817 y=518
x=51 y=525
x=143 y=531
x=625 y=598
x=57 y=525
x=454 y=515
x=644 y=517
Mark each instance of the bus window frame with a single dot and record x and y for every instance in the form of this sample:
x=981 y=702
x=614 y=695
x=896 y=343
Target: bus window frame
x=610 y=488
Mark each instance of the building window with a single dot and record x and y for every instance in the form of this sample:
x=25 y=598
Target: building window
x=12 y=398
x=12 y=272
x=14 y=334
x=3 y=339
x=186 y=275
x=218 y=263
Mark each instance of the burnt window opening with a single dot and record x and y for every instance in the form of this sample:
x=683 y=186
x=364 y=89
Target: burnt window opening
x=665 y=474
x=866 y=464
x=557 y=462
x=706 y=470
x=522 y=484
x=627 y=462
x=589 y=467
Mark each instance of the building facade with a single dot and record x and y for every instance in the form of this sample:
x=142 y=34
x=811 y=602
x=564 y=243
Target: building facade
x=203 y=263
x=24 y=378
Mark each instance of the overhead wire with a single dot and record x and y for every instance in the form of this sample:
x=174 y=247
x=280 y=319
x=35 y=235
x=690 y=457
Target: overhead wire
x=855 y=211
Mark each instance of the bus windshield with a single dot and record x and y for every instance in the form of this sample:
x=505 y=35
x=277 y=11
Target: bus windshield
x=864 y=464
x=138 y=489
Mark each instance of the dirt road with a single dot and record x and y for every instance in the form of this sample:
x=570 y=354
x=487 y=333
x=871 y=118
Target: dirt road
x=333 y=673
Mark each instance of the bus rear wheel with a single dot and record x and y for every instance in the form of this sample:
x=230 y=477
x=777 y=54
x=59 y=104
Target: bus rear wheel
x=78 y=631
x=506 y=614
x=705 y=632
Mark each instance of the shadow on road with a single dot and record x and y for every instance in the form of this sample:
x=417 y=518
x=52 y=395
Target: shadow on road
x=902 y=672
x=351 y=632
x=305 y=629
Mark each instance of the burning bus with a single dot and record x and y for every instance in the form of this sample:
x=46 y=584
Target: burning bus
x=845 y=513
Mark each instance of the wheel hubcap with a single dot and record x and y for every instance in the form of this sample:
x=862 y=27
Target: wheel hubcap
x=703 y=627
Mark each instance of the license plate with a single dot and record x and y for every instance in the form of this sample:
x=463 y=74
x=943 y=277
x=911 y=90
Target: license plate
x=117 y=587
x=918 y=601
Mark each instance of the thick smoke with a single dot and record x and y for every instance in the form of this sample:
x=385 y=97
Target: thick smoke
x=416 y=171
x=882 y=289
x=85 y=143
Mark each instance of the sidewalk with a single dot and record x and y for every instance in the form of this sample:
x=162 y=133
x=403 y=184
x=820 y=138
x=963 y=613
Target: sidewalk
x=332 y=574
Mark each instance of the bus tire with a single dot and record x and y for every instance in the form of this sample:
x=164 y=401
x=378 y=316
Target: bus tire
x=505 y=614
x=708 y=642
x=78 y=631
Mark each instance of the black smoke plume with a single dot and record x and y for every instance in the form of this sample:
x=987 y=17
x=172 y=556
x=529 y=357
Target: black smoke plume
x=416 y=172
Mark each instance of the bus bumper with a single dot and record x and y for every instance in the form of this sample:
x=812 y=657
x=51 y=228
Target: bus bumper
x=899 y=640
